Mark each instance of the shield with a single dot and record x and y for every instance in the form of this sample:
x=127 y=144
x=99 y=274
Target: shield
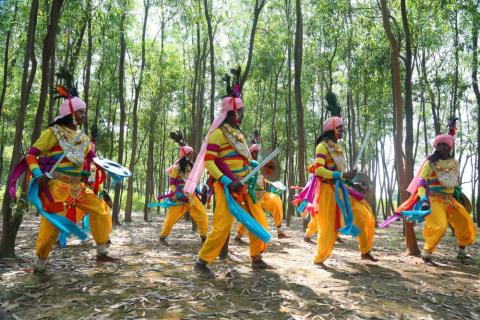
x=112 y=167
x=466 y=202
x=271 y=171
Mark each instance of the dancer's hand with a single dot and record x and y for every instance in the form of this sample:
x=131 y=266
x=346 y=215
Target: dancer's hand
x=43 y=182
x=425 y=205
x=349 y=175
x=235 y=187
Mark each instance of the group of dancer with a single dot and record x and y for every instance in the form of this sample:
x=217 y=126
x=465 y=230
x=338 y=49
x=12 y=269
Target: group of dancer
x=59 y=163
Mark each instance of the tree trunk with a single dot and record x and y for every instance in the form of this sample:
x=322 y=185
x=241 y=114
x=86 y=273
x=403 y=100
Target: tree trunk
x=5 y=61
x=121 y=98
x=259 y=4
x=194 y=111
x=11 y=223
x=290 y=152
x=86 y=92
x=402 y=178
x=212 y=61
x=409 y=162
x=48 y=47
x=138 y=88
x=298 y=92
x=475 y=23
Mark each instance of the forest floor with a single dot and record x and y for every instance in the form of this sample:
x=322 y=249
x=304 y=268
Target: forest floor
x=157 y=282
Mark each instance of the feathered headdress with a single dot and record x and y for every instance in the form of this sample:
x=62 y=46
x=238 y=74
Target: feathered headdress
x=332 y=104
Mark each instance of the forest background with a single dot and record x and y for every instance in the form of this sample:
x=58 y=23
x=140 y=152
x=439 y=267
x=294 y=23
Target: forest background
x=144 y=68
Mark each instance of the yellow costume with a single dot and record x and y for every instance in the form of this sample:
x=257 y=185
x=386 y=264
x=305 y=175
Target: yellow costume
x=67 y=186
x=233 y=153
x=271 y=203
x=329 y=163
x=191 y=204
x=442 y=177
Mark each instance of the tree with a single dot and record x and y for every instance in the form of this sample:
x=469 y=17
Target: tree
x=402 y=176
x=298 y=92
x=11 y=223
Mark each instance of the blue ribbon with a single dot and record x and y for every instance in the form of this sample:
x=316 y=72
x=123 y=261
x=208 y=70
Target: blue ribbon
x=63 y=237
x=60 y=222
x=302 y=206
x=417 y=214
x=165 y=204
x=345 y=209
x=245 y=218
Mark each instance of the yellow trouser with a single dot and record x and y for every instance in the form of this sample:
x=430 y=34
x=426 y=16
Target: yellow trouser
x=197 y=212
x=327 y=216
x=100 y=217
x=222 y=223
x=443 y=213
x=271 y=203
x=312 y=226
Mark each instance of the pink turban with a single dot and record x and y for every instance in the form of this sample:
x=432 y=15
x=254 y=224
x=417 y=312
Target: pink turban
x=254 y=147
x=331 y=123
x=228 y=104
x=77 y=104
x=184 y=151
x=445 y=138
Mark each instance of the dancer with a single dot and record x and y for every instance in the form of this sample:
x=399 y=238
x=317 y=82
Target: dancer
x=55 y=174
x=269 y=202
x=434 y=197
x=226 y=157
x=179 y=203
x=329 y=197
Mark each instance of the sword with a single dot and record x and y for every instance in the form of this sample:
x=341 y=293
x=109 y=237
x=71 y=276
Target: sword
x=362 y=148
x=260 y=165
x=75 y=139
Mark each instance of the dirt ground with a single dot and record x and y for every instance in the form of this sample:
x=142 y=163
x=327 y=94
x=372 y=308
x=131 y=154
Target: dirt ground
x=157 y=282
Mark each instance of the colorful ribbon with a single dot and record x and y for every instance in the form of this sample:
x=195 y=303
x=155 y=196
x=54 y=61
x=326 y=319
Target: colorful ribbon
x=245 y=218
x=60 y=222
x=349 y=228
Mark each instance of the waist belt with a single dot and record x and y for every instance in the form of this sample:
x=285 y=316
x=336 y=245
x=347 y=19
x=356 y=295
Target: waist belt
x=443 y=196
x=66 y=178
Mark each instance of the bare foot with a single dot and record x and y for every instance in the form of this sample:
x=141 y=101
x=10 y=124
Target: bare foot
x=308 y=240
x=429 y=261
x=239 y=240
x=163 y=241
x=282 y=235
x=369 y=257
x=202 y=270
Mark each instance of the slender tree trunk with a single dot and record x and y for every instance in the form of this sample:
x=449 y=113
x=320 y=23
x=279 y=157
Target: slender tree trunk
x=298 y=92
x=409 y=162
x=475 y=23
x=212 y=61
x=290 y=152
x=138 y=88
x=51 y=85
x=48 y=47
x=121 y=98
x=259 y=4
x=11 y=223
x=5 y=60
x=402 y=177
x=86 y=92
x=195 y=84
